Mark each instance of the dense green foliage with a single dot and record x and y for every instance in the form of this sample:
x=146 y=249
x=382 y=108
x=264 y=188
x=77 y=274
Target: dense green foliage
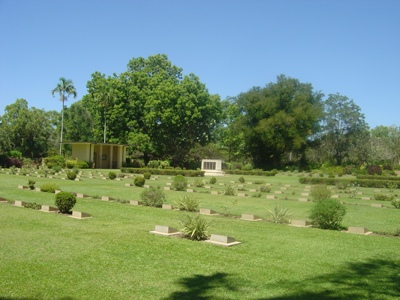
x=65 y=201
x=49 y=187
x=112 y=175
x=171 y=172
x=139 y=181
x=179 y=183
x=278 y=119
x=320 y=192
x=71 y=175
x=327 y=214
x=153 y=197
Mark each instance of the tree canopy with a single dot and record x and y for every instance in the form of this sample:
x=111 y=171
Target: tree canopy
x=153 y=108
x=277 y=120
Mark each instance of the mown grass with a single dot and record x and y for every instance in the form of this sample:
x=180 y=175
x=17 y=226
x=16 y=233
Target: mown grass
x=113 y=256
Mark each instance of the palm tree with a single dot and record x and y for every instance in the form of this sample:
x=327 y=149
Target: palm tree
x=64 y=88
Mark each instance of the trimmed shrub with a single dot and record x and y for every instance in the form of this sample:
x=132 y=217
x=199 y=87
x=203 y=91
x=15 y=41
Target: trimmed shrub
x=31 y=184
x=71 y=175
x=241 y=179
x=65 y=202
x=147 y=175
x=396 y=203
x=153 y=197
x=139 y=181
x=49 y=188
x=213 y=180
x=188 y=203
x=70 y=163
x=82 y=165
x=179 y=183
x=56 y=160
x=320 y=192
x=112 y=175
x=327 y=214
x=265 y=189
x=195 y=228
x=164 y=171
x=56 y=168
x=383 y=197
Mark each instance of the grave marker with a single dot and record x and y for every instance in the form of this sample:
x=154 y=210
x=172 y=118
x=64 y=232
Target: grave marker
x=222 y=240
x=165 y=230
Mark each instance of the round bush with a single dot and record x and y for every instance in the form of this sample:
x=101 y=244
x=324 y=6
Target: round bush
x=213 y=180
x=180 y=183
x=112 y=175
x=146 y=175
x=241 y=179
x=139 y=181
x=327 y=214
x=71 y=175
x=65 y=201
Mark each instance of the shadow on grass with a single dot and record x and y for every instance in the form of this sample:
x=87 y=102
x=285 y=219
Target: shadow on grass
x=201 y=286
x=372 y=279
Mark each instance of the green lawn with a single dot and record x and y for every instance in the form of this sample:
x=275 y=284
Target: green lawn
x=113 y=255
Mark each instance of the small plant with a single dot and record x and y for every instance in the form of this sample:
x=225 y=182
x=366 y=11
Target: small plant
x=33 y=206
x=265 y=189
x=241 y=179
x=259 y=182
x=147 y=175
x=230 y=190
x=279 y=215
x=257 y=195
x=31 y=184
x=153 y=197
x=71 y=175
x=396 y=203
x=139 y=181
x=320 y=192
x=188 y=203
x=13 y=170
x=327 y=214
x=213 y=180
x=391 y=186
x=65 y=202
x=198 y=182
x=49 y=188
x=227 y=210
x=383 y=197
x=56 y=168
x=195 y=228
x=180 y=183
x=112 y=175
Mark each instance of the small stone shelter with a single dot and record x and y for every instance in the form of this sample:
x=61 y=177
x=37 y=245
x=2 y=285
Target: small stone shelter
x=103 y=155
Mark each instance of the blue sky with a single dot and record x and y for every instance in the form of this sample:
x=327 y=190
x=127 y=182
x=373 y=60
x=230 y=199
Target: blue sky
x=351 y=47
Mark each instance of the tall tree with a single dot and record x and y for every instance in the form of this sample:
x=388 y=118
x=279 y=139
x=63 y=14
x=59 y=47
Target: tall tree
x=29 y=130
x=154 y=108
x=344 y=127
x=385 y=145
x=78 y=123
x=279 y=119
x=64 y=88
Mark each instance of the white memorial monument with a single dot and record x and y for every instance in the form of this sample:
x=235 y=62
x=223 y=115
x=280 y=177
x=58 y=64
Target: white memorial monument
x=212 y=167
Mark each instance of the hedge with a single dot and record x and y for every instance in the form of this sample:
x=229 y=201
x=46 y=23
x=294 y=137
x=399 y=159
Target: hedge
x=356 y=182
x=170 y=172
x=379 y=177
x=251 y=172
